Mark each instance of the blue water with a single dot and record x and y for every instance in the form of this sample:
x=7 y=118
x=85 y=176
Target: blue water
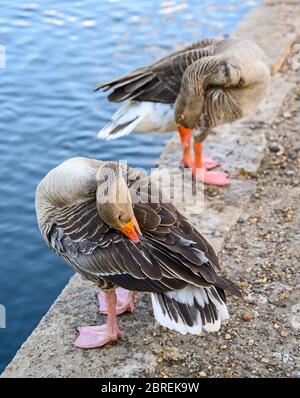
x=56 y=51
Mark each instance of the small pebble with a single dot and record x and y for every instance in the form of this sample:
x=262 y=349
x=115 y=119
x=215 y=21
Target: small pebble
x=287 y=115
x=296 y=374
x=277 y=355
x=227 y=337
x=274 y=148
x=247 y=317
x=285 y=358
x=283 y=297
x=202 y=374
x=284 y=333
x=261 y=281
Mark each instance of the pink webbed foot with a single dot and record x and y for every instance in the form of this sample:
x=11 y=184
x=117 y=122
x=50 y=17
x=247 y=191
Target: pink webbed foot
x=211 y=177
x=209 y=163
x=96 y=336
x=125 y=301
x=200 y=171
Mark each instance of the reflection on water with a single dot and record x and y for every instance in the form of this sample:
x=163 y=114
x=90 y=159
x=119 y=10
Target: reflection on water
x=56 y=51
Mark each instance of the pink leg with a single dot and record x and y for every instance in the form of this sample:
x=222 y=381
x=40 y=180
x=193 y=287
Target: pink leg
x=207 y=177
x=98 y=336
x=185 y=138
x=125 y=301
x=187 y=161
x=187 y=158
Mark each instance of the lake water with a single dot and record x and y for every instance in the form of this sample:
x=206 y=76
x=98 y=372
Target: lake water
x=56 y=51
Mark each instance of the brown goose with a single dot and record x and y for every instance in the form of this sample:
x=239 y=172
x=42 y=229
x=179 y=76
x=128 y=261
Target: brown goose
x=87 y=215
x=206 y=84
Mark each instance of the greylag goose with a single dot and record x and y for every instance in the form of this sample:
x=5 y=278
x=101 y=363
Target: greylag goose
x=87 y=215
x=205 y=84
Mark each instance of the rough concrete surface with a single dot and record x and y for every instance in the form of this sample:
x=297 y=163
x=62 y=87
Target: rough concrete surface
x=254 y=224
x=274 y=20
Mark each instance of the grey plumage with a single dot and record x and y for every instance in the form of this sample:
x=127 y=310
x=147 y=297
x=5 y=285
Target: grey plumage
x=171 y=254
x=210 y=82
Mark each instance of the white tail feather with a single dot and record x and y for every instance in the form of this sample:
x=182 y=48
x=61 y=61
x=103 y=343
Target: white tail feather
x=108 y=132
x=138 y=116
x=208 y=301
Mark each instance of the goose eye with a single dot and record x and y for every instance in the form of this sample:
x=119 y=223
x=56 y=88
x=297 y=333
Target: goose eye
x=120 y=216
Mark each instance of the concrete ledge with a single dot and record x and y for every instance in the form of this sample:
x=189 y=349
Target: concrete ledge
x=49 y=351
x=274 y=26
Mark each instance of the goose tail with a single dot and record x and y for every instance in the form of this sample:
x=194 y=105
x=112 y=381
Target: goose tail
x=124 y=121
x=191 y=310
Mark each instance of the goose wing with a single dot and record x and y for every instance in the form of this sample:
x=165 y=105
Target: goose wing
x=160 y=81
x=170 y=255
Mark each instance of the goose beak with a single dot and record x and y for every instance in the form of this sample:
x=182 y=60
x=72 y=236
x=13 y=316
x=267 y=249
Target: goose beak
x=131 y=230
x=185 y=135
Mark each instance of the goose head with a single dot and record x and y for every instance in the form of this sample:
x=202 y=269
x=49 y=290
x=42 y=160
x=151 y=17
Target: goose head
x=190 y=101
x=189 y=104
x=114 y=201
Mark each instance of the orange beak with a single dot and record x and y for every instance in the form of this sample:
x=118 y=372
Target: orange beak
x=131 y=230
x=185 y=135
